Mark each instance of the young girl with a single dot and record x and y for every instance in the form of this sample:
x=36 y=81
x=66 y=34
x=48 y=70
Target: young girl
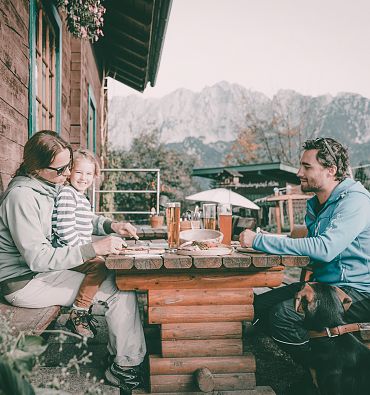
x=72 y=225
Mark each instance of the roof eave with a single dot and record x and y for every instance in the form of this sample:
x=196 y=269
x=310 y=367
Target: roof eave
x=132 y=46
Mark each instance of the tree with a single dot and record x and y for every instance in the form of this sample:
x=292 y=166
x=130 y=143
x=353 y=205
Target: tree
x=147 y=152
x=275 y=135
x=362 y=175
x=245 y=148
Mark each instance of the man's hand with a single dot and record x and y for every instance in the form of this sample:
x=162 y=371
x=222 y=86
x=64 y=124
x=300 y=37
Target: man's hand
x=246 y=238
x=124 y=229
x=108 y=245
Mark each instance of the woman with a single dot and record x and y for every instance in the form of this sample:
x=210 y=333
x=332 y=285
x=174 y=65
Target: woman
x=35 y=274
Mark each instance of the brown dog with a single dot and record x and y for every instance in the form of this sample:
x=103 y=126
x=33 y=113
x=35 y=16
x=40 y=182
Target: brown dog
x=341 y=364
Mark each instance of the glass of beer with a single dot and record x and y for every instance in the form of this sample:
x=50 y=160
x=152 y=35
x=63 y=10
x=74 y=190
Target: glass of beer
x=225 y=220
x=209 y=216
x=173 y=225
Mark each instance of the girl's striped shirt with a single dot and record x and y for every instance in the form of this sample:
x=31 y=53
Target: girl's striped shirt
x=72 y=218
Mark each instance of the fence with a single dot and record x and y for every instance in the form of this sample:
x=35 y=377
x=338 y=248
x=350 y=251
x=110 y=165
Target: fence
x=96 y=192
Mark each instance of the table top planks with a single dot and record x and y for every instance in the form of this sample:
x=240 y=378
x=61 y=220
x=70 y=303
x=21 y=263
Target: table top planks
x=235 y=261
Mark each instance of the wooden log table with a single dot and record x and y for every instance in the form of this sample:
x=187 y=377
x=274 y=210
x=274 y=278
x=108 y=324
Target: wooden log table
x=200 y=304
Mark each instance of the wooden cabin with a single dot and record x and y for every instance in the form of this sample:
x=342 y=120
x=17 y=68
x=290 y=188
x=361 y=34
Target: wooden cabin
x=51 y=80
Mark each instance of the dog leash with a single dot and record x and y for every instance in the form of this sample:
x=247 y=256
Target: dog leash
x=338 y=330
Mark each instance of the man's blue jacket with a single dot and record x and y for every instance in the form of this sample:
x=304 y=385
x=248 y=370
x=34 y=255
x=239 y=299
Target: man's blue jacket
x=338 y=241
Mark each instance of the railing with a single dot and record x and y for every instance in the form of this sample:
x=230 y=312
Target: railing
x=156 y=191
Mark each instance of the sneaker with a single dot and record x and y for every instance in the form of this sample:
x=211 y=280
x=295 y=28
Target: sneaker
x=126 y=378
x=82 y=322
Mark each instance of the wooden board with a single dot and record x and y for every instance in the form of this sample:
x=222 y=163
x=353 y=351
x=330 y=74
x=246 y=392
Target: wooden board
x=201 y=262
x=173 y=261
x=119 y=262
x=201 y=348
x=231 y=364
x=194 y=297
x=265 y=260
x=29 y=320
x=142 y=263
x=227 y=381
x=205 y=314
x=272 y=277
x=236 y=260
x=299 y=261
x=211 y=330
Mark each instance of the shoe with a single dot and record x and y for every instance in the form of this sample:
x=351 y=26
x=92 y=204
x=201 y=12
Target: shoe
x=82 y=322
x=127 y=378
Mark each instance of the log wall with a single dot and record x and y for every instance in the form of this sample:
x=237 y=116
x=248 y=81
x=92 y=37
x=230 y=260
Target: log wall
x=79 y=69
x=14 y=75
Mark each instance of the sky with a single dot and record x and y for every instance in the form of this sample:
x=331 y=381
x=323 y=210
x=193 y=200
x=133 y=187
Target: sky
x=311 y=46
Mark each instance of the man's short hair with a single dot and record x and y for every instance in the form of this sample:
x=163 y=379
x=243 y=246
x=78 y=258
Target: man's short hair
x=330 y=153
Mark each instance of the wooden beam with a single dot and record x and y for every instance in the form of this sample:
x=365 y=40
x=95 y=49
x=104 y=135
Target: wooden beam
x=231 y=364
x=202 y=348
x=194 y=297
x=198 y=331
x=205 y=314
x=271 y=277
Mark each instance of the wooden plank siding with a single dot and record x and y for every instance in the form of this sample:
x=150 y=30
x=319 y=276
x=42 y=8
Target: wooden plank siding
x=79 y=70
x=14 y=59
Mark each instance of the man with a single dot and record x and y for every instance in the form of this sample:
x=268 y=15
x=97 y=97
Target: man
x=338 y=243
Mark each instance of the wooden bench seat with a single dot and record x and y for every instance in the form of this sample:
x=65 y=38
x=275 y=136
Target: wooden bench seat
x=29 y=320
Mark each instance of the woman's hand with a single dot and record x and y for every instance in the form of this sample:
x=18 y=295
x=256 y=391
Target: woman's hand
x=124 y=229
x=246 y=238
x=108 y=245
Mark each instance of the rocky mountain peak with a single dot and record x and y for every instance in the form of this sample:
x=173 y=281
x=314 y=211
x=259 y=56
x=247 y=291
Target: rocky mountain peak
x=217 y=114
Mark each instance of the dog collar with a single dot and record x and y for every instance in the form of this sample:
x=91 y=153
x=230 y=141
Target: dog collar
x=339 y=330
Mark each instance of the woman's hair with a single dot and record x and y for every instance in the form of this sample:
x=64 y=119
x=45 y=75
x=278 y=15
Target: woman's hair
x=40 y=150
x=331 y=153
x=89 y=156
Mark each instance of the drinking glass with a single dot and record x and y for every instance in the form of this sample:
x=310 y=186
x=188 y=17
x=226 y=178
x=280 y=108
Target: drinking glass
x=225 y=220
x=209 y=216
x=173 y=225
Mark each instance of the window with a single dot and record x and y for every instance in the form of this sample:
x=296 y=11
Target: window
x=45 y=56
x=91 y=122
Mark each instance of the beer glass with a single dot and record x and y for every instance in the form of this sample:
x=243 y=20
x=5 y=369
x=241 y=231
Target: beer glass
x=209 y=216
x=225 y=220
x=173 y=225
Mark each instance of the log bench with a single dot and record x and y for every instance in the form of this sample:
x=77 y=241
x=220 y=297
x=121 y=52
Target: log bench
x=28 y=320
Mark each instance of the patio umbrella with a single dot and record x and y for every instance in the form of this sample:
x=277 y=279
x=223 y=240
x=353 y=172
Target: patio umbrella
x=223 y=195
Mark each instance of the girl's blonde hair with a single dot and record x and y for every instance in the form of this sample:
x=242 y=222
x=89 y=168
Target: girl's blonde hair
x=88 y=155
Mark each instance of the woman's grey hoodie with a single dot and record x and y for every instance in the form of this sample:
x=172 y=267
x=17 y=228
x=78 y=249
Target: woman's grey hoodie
x=25 y=231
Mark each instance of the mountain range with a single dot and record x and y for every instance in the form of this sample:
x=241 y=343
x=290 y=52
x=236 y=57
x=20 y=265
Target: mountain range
x=205 y=124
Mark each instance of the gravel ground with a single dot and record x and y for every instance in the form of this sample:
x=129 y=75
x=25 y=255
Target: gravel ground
x=275 y=368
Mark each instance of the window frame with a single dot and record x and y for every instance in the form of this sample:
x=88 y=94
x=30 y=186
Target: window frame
x=91 y=101
x=55 y=20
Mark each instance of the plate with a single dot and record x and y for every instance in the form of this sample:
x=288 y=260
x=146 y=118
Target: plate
x=210 y=252
x=249 y=250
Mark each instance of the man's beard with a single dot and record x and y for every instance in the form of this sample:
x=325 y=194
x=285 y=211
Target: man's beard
x=309 y=188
